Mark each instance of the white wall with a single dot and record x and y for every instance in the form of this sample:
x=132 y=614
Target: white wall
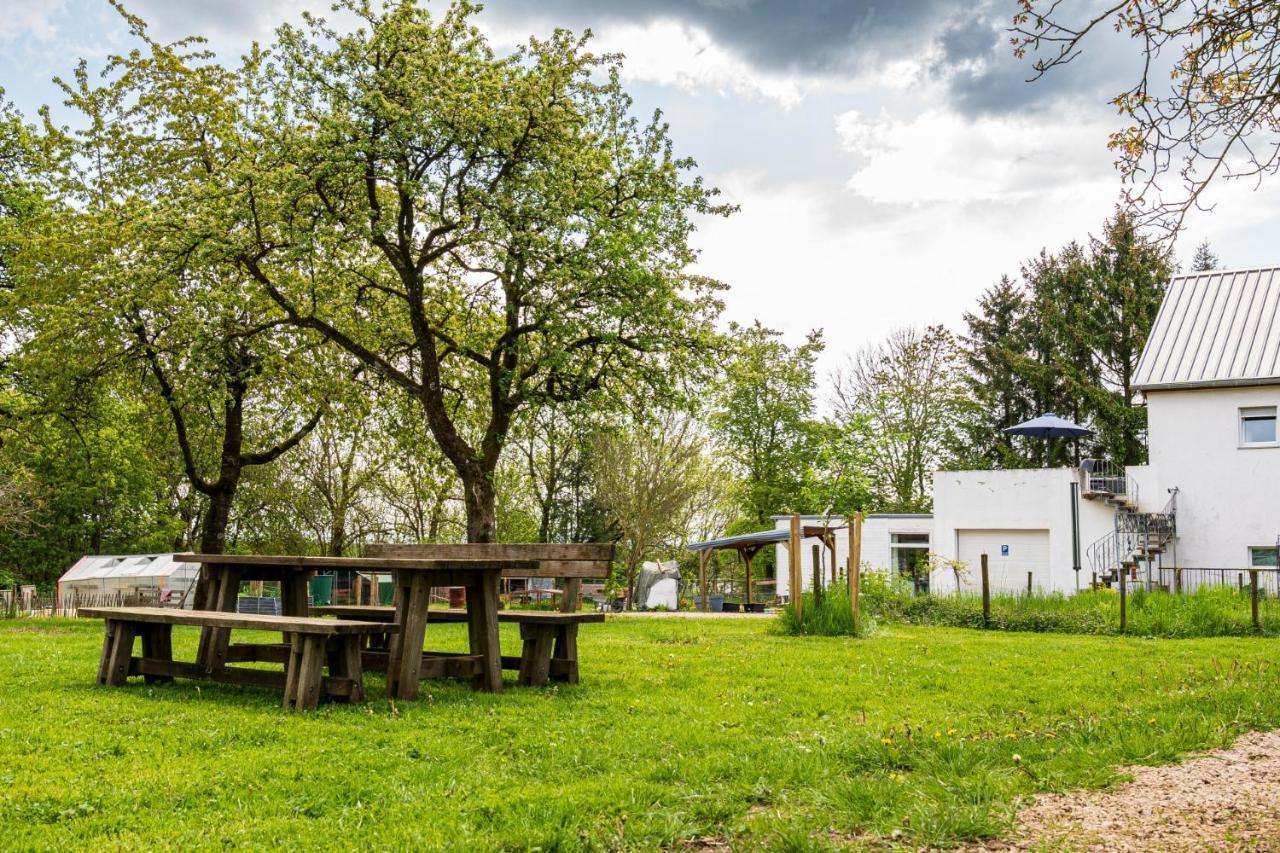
x=877 y=530
x=1229 y=496
x=1018 y=500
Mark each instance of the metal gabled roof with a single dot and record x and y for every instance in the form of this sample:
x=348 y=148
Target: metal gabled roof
x=127 y=566
x=1217 y=328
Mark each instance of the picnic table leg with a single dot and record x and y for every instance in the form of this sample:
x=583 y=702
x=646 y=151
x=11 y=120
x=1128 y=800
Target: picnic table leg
x=404 y=667
x=293 y=595
x=344 y=662
x=567 y=651
x=306 y=669
x=157 y=644
x=535 y=661
x=482 y=630
x=214 y=641
x=117 y=649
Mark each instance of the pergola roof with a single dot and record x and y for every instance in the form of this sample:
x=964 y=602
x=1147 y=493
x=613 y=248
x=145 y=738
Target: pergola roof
x=754 y=541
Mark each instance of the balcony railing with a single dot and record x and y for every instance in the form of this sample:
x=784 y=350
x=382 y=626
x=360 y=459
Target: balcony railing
x=1102 y=478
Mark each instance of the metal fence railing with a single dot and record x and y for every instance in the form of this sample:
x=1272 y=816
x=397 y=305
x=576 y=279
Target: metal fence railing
x=1185 y=579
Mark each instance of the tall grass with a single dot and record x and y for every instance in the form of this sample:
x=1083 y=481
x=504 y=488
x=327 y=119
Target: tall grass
x=1206 y=612
x=831 y=616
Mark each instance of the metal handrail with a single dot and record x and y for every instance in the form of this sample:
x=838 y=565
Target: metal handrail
x=1103 y=477
x=1134 y=531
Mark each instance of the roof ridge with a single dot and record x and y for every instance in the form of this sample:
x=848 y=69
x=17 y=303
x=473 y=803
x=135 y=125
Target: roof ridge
x=1233 y=271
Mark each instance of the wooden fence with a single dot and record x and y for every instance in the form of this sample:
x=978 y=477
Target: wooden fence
x=26 y=601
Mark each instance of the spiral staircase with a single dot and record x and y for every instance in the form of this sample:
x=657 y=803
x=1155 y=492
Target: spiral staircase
x=1139 y=538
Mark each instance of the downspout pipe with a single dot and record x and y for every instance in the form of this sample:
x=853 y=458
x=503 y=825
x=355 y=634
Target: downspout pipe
x=1075 y=531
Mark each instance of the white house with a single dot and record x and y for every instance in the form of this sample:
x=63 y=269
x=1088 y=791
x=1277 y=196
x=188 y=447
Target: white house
x=897 y=542
x=1209 y=497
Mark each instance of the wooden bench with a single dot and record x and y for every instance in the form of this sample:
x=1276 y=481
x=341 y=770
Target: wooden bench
x=550 y=639
x=311 y=644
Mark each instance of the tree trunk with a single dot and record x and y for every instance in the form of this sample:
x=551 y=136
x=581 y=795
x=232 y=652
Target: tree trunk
x=213 y=528
x=480 y=500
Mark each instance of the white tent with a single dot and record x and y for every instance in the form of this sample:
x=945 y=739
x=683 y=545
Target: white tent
x=129 y=573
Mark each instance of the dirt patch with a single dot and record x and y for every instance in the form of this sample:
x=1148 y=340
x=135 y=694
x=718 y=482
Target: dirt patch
x=1226 y=800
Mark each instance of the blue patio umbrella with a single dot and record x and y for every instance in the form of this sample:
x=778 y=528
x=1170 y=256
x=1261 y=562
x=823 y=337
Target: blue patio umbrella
x=1049 y=426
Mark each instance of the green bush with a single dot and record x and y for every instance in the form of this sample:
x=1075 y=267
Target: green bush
x=830 y=617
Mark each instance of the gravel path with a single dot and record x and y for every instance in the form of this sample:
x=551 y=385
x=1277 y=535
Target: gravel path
x=1227 y=800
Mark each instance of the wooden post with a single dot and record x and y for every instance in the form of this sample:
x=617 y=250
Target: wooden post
x=1028 y=584
x=986 y=593
x=1094 y=584
x=1124 y=576
x=747 y=554
x=854 y=575
x=817 y=575
x=571 y=595
x=1253 y=595
x=830 y=539
x=703 y=555
x=795 y=583
x=1177 y=579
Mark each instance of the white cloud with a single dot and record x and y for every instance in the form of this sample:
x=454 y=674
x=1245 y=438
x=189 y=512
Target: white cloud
x=808 y=255
x=28 y=18
x=941 y=156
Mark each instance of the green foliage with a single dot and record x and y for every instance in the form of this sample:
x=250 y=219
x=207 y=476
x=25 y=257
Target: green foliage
x=829 y=616
x=762 y=417
x=754 y=739
x=488 y=233
x=1206 y=612
x=1067 y=340
x=89 y=480
x=906 y=397
x=1205 y=259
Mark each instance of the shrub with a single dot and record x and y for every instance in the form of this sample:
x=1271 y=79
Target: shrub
x=830 y=617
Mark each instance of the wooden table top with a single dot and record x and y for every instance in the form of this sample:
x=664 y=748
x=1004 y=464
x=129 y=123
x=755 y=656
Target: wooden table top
x=366 y=564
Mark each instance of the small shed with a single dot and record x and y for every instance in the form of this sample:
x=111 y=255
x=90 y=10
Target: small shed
x=129 y=574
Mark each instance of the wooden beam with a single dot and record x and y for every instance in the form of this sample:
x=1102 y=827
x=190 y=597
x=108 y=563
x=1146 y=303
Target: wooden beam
x=588 y=551
x=795 y=577
x=855 y=565
x=218 y=619
x=703 y=556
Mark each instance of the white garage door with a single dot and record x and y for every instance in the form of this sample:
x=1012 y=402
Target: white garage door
x=1010 y=555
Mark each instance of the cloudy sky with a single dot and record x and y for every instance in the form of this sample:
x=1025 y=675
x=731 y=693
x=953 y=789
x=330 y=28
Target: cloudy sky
x=889 y=158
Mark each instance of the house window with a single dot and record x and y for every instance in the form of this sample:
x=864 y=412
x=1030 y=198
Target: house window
x=910 y=552
x=1263 y=557
x=1258 y=426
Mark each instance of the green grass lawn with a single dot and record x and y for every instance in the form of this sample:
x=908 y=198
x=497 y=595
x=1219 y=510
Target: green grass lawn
x=681 y=730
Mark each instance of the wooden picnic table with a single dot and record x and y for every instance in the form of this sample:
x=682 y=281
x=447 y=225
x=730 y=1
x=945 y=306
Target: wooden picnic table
x=413 y=578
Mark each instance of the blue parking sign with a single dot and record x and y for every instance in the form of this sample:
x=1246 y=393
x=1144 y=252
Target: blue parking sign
x=1004 y=550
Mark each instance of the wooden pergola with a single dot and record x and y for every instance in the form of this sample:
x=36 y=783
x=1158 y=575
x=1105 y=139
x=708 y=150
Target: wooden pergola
x=747 y=545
